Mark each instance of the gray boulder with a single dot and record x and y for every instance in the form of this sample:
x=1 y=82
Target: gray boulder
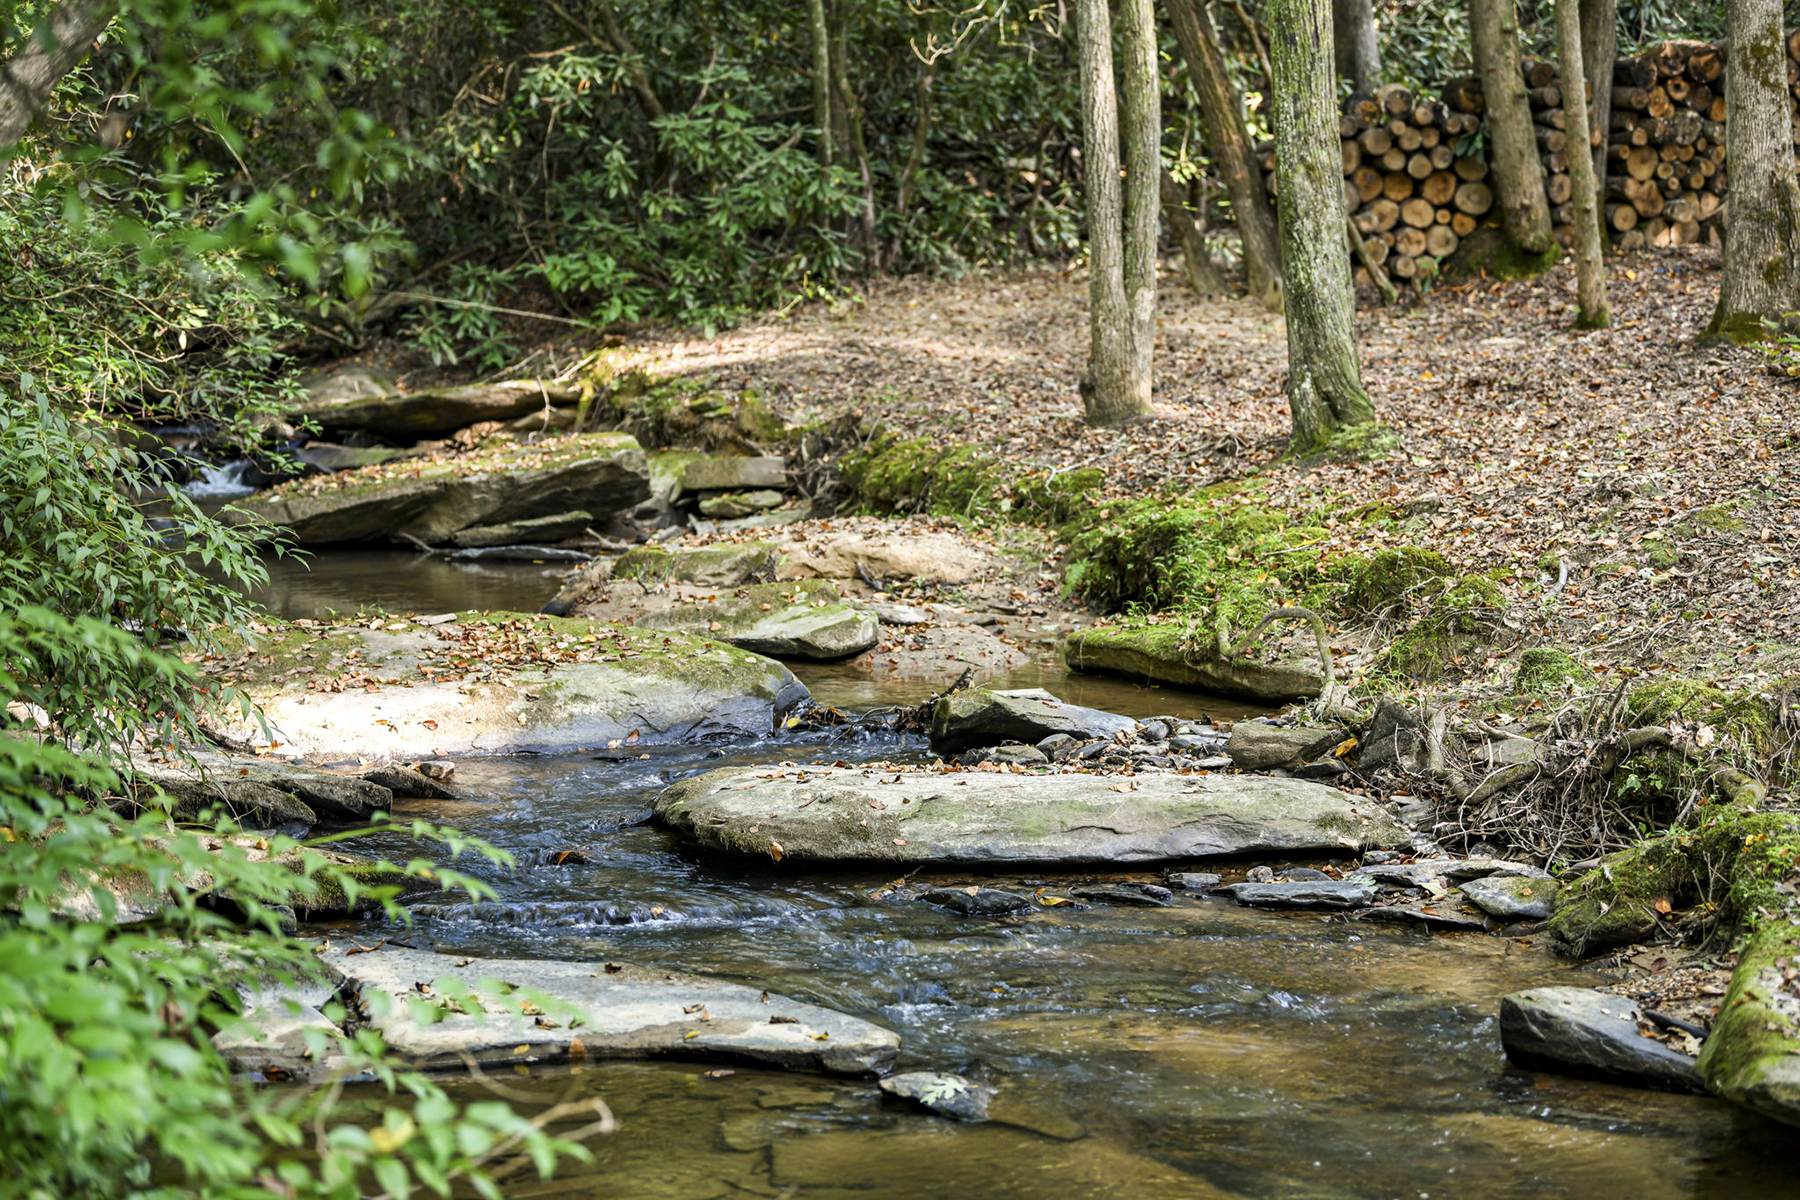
x=980 y=717
x=578 y=1010
x=741 y=504
x=835 y=814
x=1254 y=746
x=1300 y=893
x=1195 y=881
x=1512 y=897
x=946 y=1095
x=1579 y=1031
x=241 y=785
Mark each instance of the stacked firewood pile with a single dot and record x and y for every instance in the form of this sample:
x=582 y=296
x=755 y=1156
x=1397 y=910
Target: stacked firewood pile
x=1665 y=170
x=1410 y=193
x=1416 y=177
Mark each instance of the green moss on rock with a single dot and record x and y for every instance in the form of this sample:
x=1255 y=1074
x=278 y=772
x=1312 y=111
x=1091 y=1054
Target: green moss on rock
x=1745 y=717
x=1752 y=1055
x=1544 y=670
x=1462 y=618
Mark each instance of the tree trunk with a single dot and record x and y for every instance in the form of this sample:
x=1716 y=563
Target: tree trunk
x=27 y=78
x=1358 y=53
x=1106 y=388
x=821 y=78
x=1762 y=228
x=1599 y=49
x=1222 y=109
x=1203 y=277
x=1141 y=131
x=1512 y=143
x=848 y=111
x=1324 y=388
x=1590 y=268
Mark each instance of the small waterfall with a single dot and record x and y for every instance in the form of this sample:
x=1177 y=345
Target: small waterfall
x=222 y=482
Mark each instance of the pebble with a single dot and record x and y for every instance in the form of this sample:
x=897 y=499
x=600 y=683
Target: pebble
x=1153 y=731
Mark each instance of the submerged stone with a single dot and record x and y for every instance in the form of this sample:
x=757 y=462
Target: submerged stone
x=977 y=901
x=834 y=814
x=946 y=1095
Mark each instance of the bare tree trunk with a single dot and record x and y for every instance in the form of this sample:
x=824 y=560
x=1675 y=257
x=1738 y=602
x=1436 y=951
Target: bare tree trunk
x=1111 y=393
x=27 y=78
x=1203 y=277
x=1324 y=388
x=849 y=114
x=1512 y=144
x=1599 y=47
x=1222 y=109
x=1590 y=267
x=915 y=158
x=1358 y=52
x=1141 y=131
x=1762 y=226
x=821 y=78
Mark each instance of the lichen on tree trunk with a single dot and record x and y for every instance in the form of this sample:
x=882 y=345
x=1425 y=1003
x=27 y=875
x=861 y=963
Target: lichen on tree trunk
x=1762 y=226
x=1325 y=390
x=1512 y=145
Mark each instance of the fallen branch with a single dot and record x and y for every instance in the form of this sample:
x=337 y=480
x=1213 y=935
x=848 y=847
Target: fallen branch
x=1292 y=613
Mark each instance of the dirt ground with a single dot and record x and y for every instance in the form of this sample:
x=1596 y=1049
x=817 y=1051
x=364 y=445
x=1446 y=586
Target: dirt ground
x=1662 y=472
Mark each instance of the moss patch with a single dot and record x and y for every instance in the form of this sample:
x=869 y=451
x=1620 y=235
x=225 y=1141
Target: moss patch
x=1545 y=670
x=1744 y=718
x=1753 y=1053
x=1462 y=618
x=893 y=474
x=1739 y=865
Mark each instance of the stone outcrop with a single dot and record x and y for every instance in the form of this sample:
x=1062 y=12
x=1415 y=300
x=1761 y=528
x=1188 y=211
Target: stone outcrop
x=1164 y=654
x=434 y=500
x=360 y=402
x=834 y=814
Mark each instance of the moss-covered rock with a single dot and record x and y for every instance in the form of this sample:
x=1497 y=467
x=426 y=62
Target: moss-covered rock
x=1752 y=1055
x=1739 y=865
x=1464 y=617
x=893 y=474
x=1746 y=718
x=1544 y=670
x=1370 y=584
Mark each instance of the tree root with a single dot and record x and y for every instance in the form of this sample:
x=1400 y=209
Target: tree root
x=1291 y=613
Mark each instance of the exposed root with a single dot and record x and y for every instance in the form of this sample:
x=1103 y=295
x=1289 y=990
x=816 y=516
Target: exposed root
x=1291 y=613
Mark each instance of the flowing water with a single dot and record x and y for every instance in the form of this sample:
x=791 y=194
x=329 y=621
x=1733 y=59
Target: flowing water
x=1195 y=1051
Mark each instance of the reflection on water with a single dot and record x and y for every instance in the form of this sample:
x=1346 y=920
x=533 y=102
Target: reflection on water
x=321 y=582
x=1197 y=1051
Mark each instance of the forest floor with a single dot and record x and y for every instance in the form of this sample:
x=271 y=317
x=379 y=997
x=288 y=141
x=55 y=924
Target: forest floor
x=1663 y=472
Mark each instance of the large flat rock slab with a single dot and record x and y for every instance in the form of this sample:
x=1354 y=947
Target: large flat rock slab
x=433 y=500
x=833 y=814
x=496 y=683
x=1166 y=653
x=595 y=1010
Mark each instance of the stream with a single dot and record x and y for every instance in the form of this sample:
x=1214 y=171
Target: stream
x=1195 y=1051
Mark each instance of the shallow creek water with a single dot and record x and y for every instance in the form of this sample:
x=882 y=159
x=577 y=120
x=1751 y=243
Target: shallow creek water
x=1196 y=1051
